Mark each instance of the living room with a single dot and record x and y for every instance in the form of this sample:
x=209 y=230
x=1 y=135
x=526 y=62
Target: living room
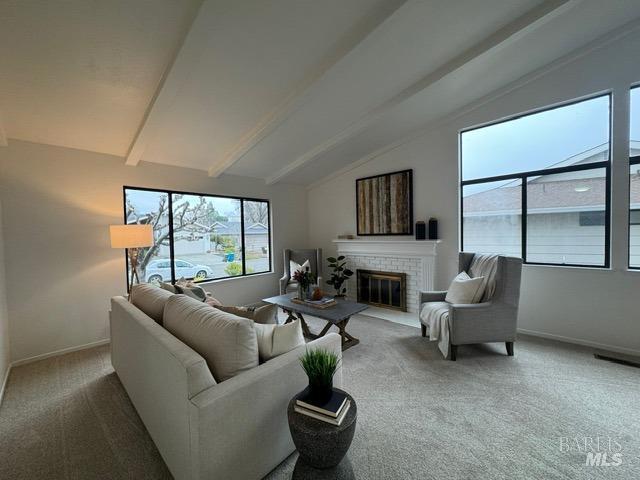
x=248 y=134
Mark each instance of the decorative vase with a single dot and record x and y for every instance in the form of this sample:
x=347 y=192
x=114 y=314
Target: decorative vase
x=319 y=390
x=304 y=293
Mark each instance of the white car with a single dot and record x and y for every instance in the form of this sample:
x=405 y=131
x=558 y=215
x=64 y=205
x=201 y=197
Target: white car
x=160 y=271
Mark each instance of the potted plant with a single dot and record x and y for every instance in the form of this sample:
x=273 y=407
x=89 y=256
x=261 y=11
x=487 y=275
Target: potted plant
x=320 y=365
x=304 y=280
x=340 y=274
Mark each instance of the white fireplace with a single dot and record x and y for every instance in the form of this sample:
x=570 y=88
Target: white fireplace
x=415 y=258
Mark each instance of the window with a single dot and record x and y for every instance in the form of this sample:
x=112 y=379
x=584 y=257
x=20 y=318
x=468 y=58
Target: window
x=492 y=217
x=537 y=186
x=634 y=179
x=208 y=237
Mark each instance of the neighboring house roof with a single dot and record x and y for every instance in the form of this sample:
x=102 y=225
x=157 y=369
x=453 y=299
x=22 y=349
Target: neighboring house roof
x=233 y=228
x=553 y=195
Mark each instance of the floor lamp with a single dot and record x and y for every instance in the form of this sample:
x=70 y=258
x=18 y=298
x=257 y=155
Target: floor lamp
x=131 y=237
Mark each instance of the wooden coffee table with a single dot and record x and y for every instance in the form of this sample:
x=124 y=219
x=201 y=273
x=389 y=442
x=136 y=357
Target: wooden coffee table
x=337 y=315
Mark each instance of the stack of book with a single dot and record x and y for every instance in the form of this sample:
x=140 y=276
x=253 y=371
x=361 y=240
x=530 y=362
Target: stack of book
x=331 y=410
x=324 y=302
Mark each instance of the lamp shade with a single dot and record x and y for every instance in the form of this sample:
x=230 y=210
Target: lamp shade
x=131 y=236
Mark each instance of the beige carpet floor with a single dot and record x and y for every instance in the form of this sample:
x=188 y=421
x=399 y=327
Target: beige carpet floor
x=486 y=416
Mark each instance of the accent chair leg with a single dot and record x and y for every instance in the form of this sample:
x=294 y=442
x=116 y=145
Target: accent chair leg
x=424 y=330
x=509 y=348
x=453 y=350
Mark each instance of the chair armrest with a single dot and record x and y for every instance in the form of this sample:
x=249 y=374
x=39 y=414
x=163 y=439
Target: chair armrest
x=482 y=322
x=437 y=296
x=283 y=284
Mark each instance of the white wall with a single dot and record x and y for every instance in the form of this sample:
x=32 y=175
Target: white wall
x=58 y=204
x=4 y=316
x=585 y=305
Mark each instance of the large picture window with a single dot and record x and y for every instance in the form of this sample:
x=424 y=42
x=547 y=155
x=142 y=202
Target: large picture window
x=537 y=186
x=634 y=179
x=199 y=236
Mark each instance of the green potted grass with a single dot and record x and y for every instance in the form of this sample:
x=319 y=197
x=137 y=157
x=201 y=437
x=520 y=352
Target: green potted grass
x=320 y=365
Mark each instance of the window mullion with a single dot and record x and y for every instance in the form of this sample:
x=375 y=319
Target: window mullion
x=172 y=258
x=244 y=267
x=523 y=219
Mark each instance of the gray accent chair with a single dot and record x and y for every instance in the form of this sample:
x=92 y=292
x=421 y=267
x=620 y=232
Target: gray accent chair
x=314 y=255
x=495 y=320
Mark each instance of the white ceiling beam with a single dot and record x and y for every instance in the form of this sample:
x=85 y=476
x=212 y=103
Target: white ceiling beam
x=600 y=42
x=3 y=133
x=501 y=38
x=267 y=124
x=174 y=77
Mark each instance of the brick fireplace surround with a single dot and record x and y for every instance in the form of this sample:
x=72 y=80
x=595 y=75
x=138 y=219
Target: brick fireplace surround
x=415 y=258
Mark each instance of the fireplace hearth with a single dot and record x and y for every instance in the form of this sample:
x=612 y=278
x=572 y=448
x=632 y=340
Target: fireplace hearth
x=382 y=289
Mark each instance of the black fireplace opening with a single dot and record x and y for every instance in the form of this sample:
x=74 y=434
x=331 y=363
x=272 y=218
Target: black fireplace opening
x=382 y=289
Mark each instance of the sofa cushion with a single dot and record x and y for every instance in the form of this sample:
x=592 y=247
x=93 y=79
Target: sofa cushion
x=228 y=343
x=150 y=299
x=274 y=340
x=264 y=314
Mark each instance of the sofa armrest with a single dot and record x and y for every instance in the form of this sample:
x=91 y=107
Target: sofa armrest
x=436 y=296
x=248 y=412
x=482 y=322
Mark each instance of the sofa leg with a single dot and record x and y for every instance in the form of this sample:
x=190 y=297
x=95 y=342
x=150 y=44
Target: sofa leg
x=453 y=350
x=424 y=330
x=509 y=348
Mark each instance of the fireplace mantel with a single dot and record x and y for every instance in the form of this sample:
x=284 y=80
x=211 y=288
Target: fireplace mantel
x=415 y=258
x=387 y=247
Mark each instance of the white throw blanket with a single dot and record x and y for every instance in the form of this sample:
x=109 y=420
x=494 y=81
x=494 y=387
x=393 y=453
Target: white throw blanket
x=435 y=316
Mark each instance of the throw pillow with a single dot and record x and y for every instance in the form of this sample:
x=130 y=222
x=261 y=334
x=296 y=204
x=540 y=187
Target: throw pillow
x=214 y=302
x=274 y=340
x=168 y=287
x=293 y=266
x=227 y=343
x=196 y=293
x=266 y=314
x=464 y=289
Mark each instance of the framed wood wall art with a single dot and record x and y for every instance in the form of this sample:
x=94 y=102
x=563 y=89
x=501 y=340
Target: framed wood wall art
x=384 y=204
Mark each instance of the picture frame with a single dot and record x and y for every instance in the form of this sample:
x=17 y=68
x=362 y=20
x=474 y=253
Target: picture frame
x=384 y=204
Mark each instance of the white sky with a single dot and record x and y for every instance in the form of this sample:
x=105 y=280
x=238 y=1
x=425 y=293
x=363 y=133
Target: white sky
x=147 y=202
x=539 y=140
x=535 y=141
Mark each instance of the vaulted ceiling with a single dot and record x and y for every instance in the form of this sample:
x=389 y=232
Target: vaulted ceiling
x=287 y=90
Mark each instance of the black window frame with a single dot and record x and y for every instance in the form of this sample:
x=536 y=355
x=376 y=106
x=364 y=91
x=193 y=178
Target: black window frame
x=632 y=161
x=172 y=258
x=523 y=176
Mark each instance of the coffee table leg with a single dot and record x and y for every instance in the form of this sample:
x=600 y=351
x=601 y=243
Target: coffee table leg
x=348 y=341
x=305 y=327
x=326 y=328
x=291 y=317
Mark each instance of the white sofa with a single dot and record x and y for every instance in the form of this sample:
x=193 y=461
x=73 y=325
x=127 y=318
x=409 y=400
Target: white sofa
x=236 y=429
